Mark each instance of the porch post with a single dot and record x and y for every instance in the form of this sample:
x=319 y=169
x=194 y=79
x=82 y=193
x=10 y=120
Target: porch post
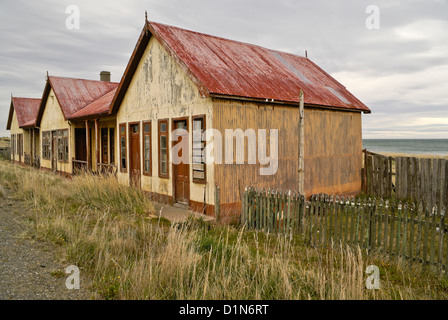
x=97 y=139
x=88 y=145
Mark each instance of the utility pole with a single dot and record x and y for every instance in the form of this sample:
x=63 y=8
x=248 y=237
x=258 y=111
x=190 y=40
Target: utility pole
x=301 y=188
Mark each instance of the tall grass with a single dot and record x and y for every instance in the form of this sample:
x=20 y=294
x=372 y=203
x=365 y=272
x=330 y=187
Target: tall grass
x=111 y=232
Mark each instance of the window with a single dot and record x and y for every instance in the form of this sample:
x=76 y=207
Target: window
x=104 y=145
x=46 y=145
x=20 y=144
x=123 y=148
x=199 y=167
x=13 y=145
x=112 y=145
x=62 y=145
x=163 y=149
x=147 y=163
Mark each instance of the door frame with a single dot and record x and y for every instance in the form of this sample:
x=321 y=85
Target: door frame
x=54 y=151
x=130 y=153
x=173 y=122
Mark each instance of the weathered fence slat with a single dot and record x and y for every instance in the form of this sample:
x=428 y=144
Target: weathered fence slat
x=399 y=229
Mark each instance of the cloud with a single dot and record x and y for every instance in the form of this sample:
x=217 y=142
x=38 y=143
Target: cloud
x=399 y=71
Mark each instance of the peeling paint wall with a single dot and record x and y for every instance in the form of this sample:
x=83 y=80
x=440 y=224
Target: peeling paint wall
x=160 y=89
x=53 y=119
x=16 y=130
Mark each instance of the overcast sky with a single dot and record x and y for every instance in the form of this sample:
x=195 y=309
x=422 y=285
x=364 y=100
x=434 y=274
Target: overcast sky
x=400 y=71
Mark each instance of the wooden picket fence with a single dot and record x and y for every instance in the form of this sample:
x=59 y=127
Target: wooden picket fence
x=412 y=232
x=406 y=178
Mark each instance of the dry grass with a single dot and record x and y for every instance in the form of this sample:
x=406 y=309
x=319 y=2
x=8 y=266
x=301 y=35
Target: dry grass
x=109 y=231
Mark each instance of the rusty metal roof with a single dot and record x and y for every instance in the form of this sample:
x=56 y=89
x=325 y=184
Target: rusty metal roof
x=97 y=107
x=236 y=69
x=26 y=110
x=74 y=95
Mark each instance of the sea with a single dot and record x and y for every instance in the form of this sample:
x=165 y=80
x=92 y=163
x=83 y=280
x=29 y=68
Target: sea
x=436 y=147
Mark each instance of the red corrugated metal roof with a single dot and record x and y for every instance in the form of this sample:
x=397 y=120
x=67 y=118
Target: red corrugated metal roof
x=26 y=110
x=75 y=94
x=232 y=68
x=97 y=107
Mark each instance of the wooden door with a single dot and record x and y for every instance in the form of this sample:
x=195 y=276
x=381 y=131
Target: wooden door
x=134 y=155
x=181 y=171
x=54 y=151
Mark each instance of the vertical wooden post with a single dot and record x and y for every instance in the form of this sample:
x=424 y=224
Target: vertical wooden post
x=88 y=145
x=32 y=146
x=97 y=141
x=217 y=203
x=301 y=188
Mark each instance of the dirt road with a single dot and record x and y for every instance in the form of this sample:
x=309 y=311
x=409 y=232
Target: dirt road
x=28 y=269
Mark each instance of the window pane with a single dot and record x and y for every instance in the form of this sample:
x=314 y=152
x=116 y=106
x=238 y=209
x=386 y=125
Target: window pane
x=146 y=128
x=147 y=152
x=163 y=127
x=163 y=142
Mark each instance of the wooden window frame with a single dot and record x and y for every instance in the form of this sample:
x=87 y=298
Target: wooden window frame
x=13 y=144
x=123 y=135
x=20 y=144
x=62 y=145
x=204 y=127
x=159 y=135
x=144 y=134
x=104 y=145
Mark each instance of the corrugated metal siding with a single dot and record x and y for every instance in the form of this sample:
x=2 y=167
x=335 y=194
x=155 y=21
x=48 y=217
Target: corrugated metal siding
x=332 y=149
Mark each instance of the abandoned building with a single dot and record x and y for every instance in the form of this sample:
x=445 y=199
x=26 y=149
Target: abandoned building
x=181 y=79
x=25 y=146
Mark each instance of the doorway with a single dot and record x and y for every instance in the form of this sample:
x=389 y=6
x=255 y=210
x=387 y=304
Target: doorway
x=181 y=171
x=134 y=154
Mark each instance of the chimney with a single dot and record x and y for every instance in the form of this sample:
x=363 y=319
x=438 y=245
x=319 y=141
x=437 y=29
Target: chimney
x=105 y=76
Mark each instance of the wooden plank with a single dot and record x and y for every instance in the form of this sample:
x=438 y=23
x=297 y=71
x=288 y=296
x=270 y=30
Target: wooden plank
x=432 y=234
x=392 y=227
x=373 y=224
x=412 y=223
x=425 y=234
x=380 y=222
x=399 y=228
x=369 y=174
x=428 y=183
x=398 y=175
x=405 y=231
x=288 y=222
x=347 y=209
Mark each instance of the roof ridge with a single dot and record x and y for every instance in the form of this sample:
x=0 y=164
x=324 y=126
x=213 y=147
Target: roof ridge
x=82 y=79
x=226 y=39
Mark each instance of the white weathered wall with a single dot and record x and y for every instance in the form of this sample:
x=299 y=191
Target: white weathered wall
x=160 y=89
x=53 y=119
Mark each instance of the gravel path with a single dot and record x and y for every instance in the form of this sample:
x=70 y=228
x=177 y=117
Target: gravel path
x=28 y=269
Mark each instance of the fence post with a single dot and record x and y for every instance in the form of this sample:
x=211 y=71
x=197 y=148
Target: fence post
x=217 y=203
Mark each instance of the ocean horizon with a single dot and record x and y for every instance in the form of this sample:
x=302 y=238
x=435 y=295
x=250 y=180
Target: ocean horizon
x=408 y=146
